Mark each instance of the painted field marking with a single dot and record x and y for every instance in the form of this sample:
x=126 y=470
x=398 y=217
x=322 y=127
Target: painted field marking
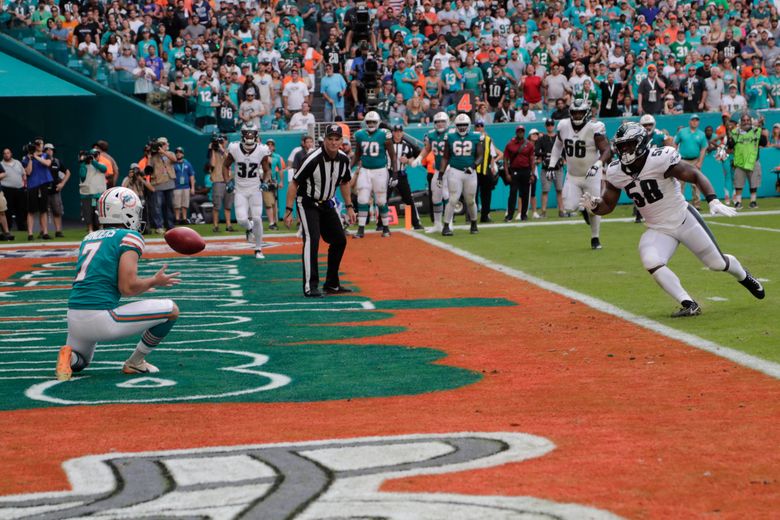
x=766 y=367
x=743 y=226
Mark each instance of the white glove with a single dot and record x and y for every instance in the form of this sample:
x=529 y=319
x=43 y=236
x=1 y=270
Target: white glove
x=393 y=182
x=718 y=208
x=589 y=202
x=550 y=174
x=595 y=169
x=416 y=162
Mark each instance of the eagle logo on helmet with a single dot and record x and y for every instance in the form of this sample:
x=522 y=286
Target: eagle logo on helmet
x=249 y=134
x=580 y=112
x=631 y=143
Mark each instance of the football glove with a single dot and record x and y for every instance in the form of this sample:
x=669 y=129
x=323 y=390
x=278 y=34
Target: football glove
x=230 y=186
x=589 y=202
x=264 y=186
x=594 y=170
x=439 y=180
x=393 y=182
x=550 y=174
x=718 y=208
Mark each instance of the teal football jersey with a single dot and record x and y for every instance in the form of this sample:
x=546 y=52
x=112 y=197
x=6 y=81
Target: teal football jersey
x=437 y=140
x=463 y=150
x=96 y=286
x=372 y=148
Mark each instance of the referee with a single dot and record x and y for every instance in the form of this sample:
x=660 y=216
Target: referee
x=312 y=191
x=403 y=156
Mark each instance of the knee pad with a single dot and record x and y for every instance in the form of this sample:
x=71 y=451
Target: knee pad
x=364 y=196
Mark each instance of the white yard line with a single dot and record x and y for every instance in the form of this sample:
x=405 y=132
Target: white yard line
x=755 y=228
x=766 y=367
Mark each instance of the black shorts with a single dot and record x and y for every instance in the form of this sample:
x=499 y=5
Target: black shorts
x=37 y=199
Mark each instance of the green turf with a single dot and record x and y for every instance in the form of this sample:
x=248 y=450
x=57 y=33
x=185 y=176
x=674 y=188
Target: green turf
x=562 y=254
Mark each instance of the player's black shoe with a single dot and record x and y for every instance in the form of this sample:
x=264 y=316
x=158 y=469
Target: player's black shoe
x=689 y=308
x=595 y=243
x=474 y=229
x=385 y=231
x=336 y=290
x=360 y=232
x=446 y=231
x=379 y=226
x=314 y=293
x=586 y=217
x=754 y=286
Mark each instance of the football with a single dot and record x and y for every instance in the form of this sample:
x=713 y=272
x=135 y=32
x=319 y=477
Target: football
x=185 y=240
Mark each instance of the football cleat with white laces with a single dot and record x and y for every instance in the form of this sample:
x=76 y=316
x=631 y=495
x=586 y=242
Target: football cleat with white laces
x=689 y=308
x=754 y=286
x=259 y=254
x=144 y=367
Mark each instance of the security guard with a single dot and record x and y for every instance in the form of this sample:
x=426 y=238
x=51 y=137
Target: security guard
x=404 y=155
x=486 y=179
x=312 y=191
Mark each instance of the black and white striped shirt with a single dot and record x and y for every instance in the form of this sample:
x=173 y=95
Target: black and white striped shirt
x=320 y=176
x=401 y=150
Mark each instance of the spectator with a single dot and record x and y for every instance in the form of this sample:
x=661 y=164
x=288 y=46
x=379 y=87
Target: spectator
x=744 y=143
x=525 y=115
x=12 y=185
x=714 y=90
x=302 y=120
x=92 y=176
x=251 y=110
x=37 y=181
x=164 y=182
x=733 y=102
x=692 y=145
x=60 y=175
x=561 y=110
x=518 y=161
x=184 y=188
x=650 y=92
x=333 y=87
x=145 y=80
x=295 y=93
x=693 y=92
x=610 y=94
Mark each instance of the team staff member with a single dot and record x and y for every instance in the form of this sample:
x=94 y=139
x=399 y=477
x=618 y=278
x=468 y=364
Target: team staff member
x=486 y=179
x=518 y=161
x=404 y=155
x=311 y=191
x=692 y=145
x=552 y=175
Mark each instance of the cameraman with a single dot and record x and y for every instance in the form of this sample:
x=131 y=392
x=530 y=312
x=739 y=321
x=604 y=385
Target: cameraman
x=92 y=176
x=185 y=186
x=221 y=199
x=270 y=196
x=60 y=174
x=358 y=25
x=163 y=179
x=37 y=179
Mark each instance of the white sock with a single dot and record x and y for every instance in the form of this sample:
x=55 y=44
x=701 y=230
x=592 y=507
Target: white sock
x=735 y=269
x=595 y=225
x=257 y=229
x=139 y=354
x=671 y=284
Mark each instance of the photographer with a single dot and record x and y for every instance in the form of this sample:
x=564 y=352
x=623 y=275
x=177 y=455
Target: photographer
x=37 y=179
x=163 y=179
x=92 y=177
x=185 y=186
x=60 y=174
x=221 y=199
x=271 y=195
x=136 y=181
x=358 y=25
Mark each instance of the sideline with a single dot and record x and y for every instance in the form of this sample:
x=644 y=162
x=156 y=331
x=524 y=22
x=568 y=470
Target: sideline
x=761 y=365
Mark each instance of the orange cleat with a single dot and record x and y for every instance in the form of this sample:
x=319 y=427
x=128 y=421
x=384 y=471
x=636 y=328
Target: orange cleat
x=64 y=371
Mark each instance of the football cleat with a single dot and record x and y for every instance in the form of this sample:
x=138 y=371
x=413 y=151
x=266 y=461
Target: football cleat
x=474 y=229
x=754 y=286
x=379 y=227
x=336 y=290
x=64 y=372
x=689 y=308
x=259 y=254
x=418 y=227
x=595 y=243
x=446 y=231
x=361 y=232
x=436 y=228
x=753 y=204
x=143 y=367
x=385 y=231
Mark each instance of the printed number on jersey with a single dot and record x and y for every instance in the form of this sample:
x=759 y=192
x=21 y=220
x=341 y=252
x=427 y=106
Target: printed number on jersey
x=88 y=253
x=462 y=148
x=649 y=192
x=247 y=170
x=370 y=148
x=574 y=148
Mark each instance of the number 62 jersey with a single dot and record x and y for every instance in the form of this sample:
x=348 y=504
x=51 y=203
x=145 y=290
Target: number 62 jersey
x=657 y=197
x=248 y=165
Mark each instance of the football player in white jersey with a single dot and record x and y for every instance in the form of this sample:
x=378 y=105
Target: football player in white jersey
x=584 y=144
x=252 y=172
x=651 y=177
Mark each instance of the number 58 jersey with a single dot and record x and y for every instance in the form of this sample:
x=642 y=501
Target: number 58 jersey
x=657 y=197
x=249 y=170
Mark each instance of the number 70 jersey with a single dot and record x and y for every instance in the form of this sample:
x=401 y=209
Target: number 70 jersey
x=657 y=197
x=249 y=170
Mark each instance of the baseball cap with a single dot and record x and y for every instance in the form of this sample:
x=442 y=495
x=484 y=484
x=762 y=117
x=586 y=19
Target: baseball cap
x=479 y=123
x=334 y=129
x=270 y=140
x=135 y=166
x=398 y=128
x=179 y=149
x=519 y=128
x=549 y=122
x=532 y=132
x=694 y=116
x=651 y=66
x=48 y=146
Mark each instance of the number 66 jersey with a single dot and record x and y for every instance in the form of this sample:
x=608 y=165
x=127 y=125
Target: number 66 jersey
x=657 y=197
x=249 y=172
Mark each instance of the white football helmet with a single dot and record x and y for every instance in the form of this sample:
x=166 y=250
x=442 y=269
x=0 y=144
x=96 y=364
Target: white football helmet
x=121 y=206
x=372 y=120
x=646 y=120
x=249 y=134
x=440 y=121
x=462 y=124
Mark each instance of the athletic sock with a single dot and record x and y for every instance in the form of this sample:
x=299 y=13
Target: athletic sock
x=670 y=283
x=437 y=210
x=141 y=350
x=734 y=268
x=257 y=229
x=595 y=226
x=384 y=214
x=362 y=214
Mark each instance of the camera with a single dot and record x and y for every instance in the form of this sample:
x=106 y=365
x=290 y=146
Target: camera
x=371 y=81
x=216 y=141
x=154 y=146
x=30 y=148
x=87 y=156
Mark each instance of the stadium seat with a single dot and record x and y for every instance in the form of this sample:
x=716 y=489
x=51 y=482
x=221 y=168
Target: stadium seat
x=210 y=129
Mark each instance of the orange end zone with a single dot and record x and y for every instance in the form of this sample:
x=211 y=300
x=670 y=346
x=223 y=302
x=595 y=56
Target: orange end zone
x=644 y=426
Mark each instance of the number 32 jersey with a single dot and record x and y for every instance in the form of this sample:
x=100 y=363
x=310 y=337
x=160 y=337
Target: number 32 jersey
x=579 y=146
x=657 y=197
x=249 y=170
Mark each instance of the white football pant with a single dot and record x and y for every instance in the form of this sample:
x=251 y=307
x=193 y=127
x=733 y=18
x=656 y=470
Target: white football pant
x=248 y=207
x=459 y=183
x=573 y=188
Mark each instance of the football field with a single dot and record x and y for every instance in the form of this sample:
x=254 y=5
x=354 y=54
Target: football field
x=509 y=374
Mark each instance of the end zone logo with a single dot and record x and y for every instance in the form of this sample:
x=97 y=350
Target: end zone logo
x=309 y=480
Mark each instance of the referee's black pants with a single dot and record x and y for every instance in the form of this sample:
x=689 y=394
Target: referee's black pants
x=319 y=219
x=485 y=187
x=521 y=182
x=405 y=191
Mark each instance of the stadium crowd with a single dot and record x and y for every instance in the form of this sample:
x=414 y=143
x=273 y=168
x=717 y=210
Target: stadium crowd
x=229 y=62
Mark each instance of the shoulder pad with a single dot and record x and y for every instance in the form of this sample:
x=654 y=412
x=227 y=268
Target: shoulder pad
x=599 y=128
